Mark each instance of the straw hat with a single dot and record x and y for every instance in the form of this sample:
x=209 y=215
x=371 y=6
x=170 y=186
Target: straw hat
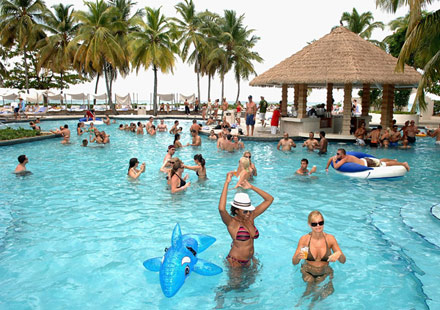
x=243 y=202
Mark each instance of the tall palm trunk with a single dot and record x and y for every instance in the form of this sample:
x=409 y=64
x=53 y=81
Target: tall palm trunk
x=155 y=91
x=238 y=89
x=222 y=77
x=209 y=87
x=198 y=79
x=96 y=89
x=26 y=69
x=108 y=77
x=61 y=81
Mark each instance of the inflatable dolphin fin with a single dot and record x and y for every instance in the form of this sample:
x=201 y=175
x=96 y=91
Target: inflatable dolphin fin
x=206 y=268
x=176 y=238
x=153 y=264
x=203 y=241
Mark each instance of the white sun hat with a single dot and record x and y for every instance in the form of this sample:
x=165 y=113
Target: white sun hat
x=243 y=202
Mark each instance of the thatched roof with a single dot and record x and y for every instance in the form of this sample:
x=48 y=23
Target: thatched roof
x=339 y=57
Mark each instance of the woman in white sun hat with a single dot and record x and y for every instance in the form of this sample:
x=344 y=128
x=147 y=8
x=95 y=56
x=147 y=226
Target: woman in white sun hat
x=240 y=223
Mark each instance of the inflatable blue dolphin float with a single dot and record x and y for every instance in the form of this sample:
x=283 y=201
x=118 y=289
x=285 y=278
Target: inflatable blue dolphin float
x=181 y=259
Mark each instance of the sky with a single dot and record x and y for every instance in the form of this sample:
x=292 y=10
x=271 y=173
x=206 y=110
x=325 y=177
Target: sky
x=284 y=28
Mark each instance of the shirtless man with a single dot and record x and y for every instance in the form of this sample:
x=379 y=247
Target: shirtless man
x=286 y=143
x=227 y=144
x=212 y=135
x=196 y=141
x=149 y=124
x=220 y=140
x=323 y=143
x=303 y=169
x=210 y=121
x=140 y=129
x=225 y=107
x=374 y=135
x=405 y=128
x=411 y=132
x=106 y=120
x=435 y=134
x=237 y=143
x=360 y=135
x=174 y=129
x=216 y=104
x=65 y=132
x=311 y=143
x=195 y=126
x=170 y=153
x=394 y=137
x=342 y=157
x=251 y=112
x=22 y=161
x=162 y=126
x=385 y=138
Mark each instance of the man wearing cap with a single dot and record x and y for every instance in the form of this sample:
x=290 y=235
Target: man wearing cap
x=251 y=112
x=170 y=153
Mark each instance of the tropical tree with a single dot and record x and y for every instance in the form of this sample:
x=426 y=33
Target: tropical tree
x=20 y=25
x=362 y=24
x=191 y=36
x=154 y=45
x=422 y=42
x=54 y=52
x=97 y=50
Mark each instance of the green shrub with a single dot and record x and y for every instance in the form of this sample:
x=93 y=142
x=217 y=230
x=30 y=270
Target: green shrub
x=395 y=112
x=10 y=133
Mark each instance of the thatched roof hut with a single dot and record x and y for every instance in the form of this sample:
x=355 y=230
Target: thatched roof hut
x=339 y=57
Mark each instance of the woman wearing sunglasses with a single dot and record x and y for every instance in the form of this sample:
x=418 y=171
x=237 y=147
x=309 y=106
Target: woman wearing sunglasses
x=240 y=222
x=316 y=249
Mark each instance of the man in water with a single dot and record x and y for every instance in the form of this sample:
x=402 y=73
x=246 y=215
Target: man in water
x=162 y=126
x=65 y=132
x=140 y=129
x=85 y=142
x=149 y=124
x=263 y=109
x=411 y=131
x=196 y=140
x=174 y=129
x=170 y=153
x=251 y=112
x=360 y=135
x=286 y=143
x=22 y=161
x=322 y=147
x=311 y=143
x=303 y=169
x=374 y=136
x=341 y=158
x=195 y=126
x=435 y=134
x=394 y=136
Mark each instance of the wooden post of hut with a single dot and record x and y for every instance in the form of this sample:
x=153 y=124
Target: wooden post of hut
x=295 y=97
x=346 y=121
x=329 y=97
x=302 y=101
x=386 y=117
x=284 y=100
x=365 y=99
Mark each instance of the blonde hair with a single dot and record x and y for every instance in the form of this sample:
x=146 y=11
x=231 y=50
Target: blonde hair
x=245 y=163
x=246 y=152
x=314 y=214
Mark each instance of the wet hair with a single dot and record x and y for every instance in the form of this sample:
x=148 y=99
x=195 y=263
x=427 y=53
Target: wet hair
x=342 y=151
x=180 y=128
x=314 y=214
x=322 y=133
x=77 y=126
x=229 y=137
x=139 y=123
x=85 y=142
x=176 y=122
x=176 y=138
x=305 y=160
x=21 y=158
x=154 y=127
x=200 y=159
x=121 y=126
x=132 y=163
x=66 y=126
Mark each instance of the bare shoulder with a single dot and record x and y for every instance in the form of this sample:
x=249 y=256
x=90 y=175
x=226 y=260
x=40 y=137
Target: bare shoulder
x=330 y=238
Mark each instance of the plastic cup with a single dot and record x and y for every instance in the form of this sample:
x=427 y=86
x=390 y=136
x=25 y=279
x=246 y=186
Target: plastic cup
x=305 y=251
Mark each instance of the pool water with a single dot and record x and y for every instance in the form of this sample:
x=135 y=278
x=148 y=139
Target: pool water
x=74 y=234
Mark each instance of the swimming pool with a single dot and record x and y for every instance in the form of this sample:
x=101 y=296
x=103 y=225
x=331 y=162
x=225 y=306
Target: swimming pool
x=75 y=233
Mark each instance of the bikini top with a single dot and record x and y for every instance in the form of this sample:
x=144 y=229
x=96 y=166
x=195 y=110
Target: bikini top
x=182 y=182
x=325 y=257
x=243 y=234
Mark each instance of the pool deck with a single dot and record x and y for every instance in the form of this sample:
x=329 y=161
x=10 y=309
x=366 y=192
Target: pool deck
x=260 y=133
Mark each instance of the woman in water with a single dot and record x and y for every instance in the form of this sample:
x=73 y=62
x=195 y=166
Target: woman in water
x=244 y=171
x=316 y=249
x=177 y=143
x=176 y=181
x=200 y=168
x=79 y=131
x=133 y=172
x=248 y=154
x=240 y=222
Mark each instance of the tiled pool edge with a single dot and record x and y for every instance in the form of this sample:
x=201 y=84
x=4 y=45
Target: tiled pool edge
x=26 y=140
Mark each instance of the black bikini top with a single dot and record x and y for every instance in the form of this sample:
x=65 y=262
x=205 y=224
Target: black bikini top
x=325 y=257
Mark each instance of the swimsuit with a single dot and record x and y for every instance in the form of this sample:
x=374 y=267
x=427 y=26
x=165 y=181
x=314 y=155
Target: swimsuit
x=250 y=120
x=411 y=139
x=182 y=182
x=243 y=234
x=325 y=257
x=242 y=262
x=373 y=144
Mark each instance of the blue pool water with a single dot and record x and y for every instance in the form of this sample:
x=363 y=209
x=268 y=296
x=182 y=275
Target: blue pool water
x=74 y=234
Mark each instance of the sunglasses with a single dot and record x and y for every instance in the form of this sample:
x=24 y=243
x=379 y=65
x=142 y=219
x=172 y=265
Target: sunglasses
x=316 y=224
x=338 y=154
x=246 y=211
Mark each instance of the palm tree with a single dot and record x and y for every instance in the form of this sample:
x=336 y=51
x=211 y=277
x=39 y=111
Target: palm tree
x=20 y=24
x=362 y=24
x=153 y=45
x=54 y=52
x=422 y=42
x=189 y=29
x=97 y=48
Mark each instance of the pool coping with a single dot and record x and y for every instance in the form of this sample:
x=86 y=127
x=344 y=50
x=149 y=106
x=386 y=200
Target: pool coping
x=435 y=211
x=29 y=139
